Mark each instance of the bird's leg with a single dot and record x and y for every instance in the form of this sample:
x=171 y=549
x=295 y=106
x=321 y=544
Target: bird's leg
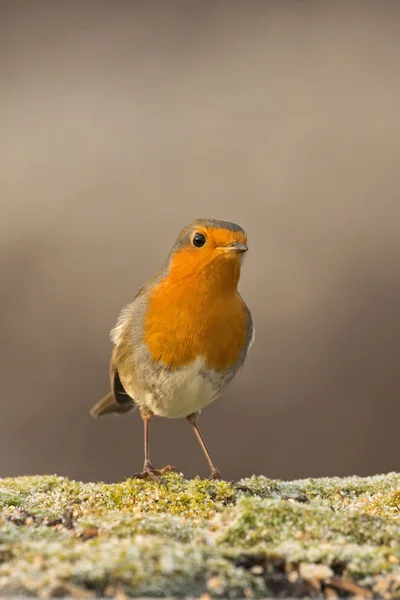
x=214 y=471
x=148 y=470
x=146 y=416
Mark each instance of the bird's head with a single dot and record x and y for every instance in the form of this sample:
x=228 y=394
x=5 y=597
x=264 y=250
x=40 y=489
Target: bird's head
x=209 y=250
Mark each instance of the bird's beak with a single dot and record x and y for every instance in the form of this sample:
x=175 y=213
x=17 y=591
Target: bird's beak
x=235 y=247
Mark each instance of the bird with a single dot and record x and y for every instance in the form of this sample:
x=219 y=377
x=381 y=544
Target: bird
x=185 y=335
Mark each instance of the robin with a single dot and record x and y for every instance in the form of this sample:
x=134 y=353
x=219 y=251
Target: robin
x=185 y=335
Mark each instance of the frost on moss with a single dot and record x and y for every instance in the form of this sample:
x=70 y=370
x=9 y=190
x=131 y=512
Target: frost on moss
x=255 y=538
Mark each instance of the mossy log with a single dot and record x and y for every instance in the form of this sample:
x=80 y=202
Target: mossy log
x=327 y=537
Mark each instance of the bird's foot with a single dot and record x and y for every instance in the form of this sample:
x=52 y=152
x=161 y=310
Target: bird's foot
x=215 y=475
x=168 y=469
x=150 y=472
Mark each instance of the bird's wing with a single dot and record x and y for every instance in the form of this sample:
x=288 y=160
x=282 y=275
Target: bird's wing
x=117 y=401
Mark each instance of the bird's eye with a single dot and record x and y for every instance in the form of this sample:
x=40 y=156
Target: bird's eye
x=198 y=240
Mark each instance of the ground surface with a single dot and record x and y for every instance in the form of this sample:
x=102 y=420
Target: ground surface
x=257 y=538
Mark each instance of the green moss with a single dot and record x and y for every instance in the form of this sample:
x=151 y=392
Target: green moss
x=61 y=537
x=313 y=533
x=386 y=503
x=274 y=521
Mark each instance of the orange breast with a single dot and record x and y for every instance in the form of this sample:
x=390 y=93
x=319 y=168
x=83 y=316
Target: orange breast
x=187 y=320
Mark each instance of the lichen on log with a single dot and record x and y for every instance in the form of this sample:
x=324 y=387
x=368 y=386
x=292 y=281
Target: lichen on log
x=330 y=537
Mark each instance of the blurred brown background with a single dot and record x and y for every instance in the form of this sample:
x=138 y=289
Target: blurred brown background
x=120 y=122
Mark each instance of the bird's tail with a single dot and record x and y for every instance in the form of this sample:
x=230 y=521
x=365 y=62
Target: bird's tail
x=108 y=405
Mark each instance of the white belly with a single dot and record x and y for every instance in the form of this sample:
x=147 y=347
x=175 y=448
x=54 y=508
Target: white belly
x=178 y=393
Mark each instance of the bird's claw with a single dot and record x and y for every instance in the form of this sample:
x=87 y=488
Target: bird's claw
x=168 y=469
x=155 y=475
